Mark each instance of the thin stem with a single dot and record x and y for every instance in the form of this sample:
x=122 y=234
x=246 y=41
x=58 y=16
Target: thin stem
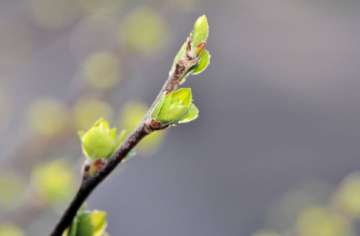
x=176 y=76
x=88 y=185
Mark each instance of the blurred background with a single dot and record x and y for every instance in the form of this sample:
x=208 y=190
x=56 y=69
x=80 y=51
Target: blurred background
x=275 y=151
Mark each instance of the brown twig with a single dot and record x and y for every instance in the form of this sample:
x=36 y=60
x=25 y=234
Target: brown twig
x=177 y=73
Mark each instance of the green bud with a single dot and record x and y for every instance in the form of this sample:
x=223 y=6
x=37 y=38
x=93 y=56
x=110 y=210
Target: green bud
x=204 y=61
x=100 y=141
x=191 y=115
x=92 y=223
x=200 y=34
x=173 y=107
x=201 y=31
x=88 y=223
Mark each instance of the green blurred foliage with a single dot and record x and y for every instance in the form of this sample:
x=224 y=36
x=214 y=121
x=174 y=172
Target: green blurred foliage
x=308 y=212
x=347 y=197
x=12 y=191
x=318 y=221
x=53 y=182
x=48 y=117
x=102 y=70
x=10 y=230
x=131 y=116
x=283 y=214
x=87 y=110
x=144 y=31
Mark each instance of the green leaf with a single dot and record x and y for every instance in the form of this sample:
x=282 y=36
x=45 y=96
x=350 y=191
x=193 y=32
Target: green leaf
x=201 y=31
x=204 y=61
x=91 y=223
x=100 y=141
x=174 y=106
x=191 y=115
x=200 y=34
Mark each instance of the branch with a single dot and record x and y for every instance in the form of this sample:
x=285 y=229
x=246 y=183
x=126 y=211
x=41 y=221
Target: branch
x=179 y=71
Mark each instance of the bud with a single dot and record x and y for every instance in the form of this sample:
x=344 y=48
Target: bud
x=204 y=61
x=201 y=31
x=100 y=141
x=174 y=107
x=88 y=223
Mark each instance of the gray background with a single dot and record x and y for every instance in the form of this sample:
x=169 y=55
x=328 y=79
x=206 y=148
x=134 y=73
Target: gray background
x=279 y=107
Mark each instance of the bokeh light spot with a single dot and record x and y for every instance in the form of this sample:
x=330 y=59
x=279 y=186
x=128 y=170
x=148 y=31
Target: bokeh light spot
x=47 y=117
x=53 y=181
x=348 y=195
x=10 y=230
x=144 y=30
x=131 y=116
x=317 y=221
x=88 y=110
x=102 y=70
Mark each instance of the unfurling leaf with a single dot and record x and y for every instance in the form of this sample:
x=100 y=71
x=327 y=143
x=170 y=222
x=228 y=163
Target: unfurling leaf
x=175 y=107
x=100 y=141
x=200 y=35
x=191 y=115
x=201 y=31
x=91 y=223
x=199 y=38
x=204 y=61
x=88 y=223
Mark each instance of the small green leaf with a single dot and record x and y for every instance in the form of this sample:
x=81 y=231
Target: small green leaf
x=204 y=61
x=100 y=141
x=191 y=115
x=200 y=34
x=91 y=223
x=174 y=106
x=201 y=31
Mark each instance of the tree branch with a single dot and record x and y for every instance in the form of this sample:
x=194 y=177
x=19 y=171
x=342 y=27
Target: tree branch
x=177 y=73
